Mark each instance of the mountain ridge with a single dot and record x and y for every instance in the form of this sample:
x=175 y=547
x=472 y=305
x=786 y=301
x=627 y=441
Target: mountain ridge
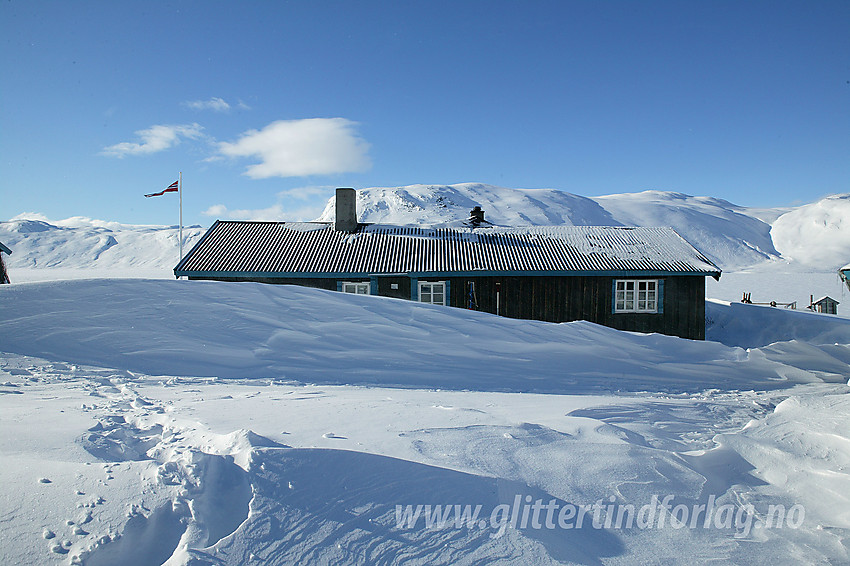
x=732 y=236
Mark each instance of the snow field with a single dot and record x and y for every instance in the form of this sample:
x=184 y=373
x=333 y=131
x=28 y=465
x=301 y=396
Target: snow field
x=159 y=421
x=193 y=423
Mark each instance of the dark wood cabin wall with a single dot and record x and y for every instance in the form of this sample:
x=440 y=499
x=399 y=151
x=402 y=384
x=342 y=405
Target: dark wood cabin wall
x=552 y=299
x=564 y=299
x=385 y=284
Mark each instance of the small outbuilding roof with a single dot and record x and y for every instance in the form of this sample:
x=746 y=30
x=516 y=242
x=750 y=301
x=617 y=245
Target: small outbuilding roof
x=301 y=249
x=5 y=249
x=826 y=299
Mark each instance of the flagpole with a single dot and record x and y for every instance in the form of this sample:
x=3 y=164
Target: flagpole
x=180 y=200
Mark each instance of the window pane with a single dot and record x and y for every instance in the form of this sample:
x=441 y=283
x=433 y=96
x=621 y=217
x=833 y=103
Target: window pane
x=630 y=305
x=621 y=285
x=641 y=305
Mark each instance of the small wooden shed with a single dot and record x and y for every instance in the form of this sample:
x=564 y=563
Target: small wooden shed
x=4 y=275
x=825 y=305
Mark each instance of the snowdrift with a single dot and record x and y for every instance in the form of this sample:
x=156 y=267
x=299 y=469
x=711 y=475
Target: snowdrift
x=250 y=330
x=185 y=423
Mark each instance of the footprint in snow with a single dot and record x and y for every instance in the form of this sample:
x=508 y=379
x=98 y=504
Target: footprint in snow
x=44 y=480
x=332 y=435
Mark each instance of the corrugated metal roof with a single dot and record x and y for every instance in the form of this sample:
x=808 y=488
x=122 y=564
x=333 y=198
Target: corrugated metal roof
x=301 y=248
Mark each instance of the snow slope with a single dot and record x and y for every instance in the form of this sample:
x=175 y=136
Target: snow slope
x=731 y=237
x=817 y=234
x=163 y=421
x=449 y=205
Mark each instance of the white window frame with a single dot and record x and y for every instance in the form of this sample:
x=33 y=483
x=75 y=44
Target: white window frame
x=636 y=295
x=356 y=287
x=426 y=291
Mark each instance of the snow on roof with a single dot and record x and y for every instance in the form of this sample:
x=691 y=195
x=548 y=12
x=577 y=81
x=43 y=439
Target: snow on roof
x=825 y=298
x=281 y=248
x=5 y=249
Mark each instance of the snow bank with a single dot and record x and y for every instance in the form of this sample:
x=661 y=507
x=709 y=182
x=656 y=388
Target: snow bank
x=250 y=330
x=753 y=326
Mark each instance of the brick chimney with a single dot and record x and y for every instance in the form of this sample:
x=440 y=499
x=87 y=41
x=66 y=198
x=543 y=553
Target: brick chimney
x=346 y=210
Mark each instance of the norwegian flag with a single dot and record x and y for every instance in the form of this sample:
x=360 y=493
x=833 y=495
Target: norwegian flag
x=172 y=188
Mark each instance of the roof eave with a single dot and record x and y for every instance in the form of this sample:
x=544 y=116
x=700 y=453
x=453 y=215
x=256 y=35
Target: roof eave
x=476 y=273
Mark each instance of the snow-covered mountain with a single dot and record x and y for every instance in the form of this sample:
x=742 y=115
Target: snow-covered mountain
x=102 y=248
x=817 y=234
x=735 y=238
x=732 y=236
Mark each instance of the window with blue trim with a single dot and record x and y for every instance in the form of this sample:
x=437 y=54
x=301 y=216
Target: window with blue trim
x=356 y=287
x=432 y=292
x=636 y=295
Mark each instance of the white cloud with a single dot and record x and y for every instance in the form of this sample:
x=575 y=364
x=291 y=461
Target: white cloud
x=276 y=212
x=215 y=104
x=297 y=148
x=154 y=139
x=215 y=210
x=299 y=204
x=309 y=192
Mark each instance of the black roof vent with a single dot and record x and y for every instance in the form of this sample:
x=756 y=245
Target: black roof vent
x=476 y=217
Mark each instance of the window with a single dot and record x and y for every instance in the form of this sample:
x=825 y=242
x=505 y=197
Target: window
x=636 y=295
x=432 y=292
x=356 y=288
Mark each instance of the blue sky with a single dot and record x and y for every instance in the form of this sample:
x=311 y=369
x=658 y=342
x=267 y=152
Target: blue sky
x=266 y=106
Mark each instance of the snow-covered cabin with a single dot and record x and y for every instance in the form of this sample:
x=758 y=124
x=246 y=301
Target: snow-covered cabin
x=4 y=275
x=639 y=279
x=826 y=305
